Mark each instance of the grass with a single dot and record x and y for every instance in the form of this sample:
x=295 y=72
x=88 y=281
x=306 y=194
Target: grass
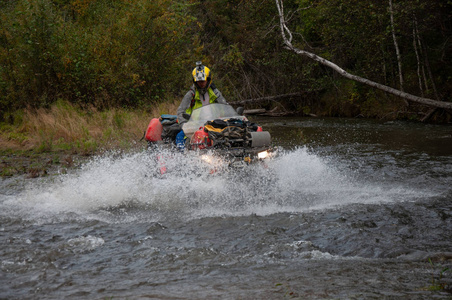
x=34 y=139
x=437 y=283
x=65 y=127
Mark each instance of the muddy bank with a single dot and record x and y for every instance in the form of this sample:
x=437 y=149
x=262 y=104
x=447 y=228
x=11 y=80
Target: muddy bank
x=34 y=165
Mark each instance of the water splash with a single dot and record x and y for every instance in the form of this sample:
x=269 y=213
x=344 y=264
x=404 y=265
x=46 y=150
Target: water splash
x=129 y=187
x=84 y=244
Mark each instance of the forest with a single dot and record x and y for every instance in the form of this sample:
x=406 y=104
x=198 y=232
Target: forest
x=136 y=54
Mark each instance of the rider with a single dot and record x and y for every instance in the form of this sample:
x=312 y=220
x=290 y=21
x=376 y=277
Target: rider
x=202 y=92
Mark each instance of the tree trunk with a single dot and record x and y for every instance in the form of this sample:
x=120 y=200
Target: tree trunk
x=417 y=57
x=396 y=45
x=287 y=38
x=268 y=98
x=419 y=44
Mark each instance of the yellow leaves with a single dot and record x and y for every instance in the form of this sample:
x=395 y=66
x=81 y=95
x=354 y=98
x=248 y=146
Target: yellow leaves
x=137 y=82
x=81 y=6
x=67 y=60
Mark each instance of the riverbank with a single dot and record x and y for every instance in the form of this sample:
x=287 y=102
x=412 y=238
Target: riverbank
x=32 y=164
x=36 y=142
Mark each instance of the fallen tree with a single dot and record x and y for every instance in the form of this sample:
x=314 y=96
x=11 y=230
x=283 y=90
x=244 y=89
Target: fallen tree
x=276 y=112
x=269 y=98
x=287 y=39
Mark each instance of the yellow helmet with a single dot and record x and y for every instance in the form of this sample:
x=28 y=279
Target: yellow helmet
x=201 y=73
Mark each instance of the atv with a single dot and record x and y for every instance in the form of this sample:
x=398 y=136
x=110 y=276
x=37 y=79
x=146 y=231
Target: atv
x=214 y=130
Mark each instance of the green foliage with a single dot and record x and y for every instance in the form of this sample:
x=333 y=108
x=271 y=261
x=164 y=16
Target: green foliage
x=7 y=172
x=125 y=53
x=358 y=37
x=102 y=53
x=16 y=136
x=46 y=143
x=245 y=51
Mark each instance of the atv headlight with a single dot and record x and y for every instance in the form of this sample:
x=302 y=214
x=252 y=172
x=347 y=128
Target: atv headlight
x=263 y=154
x=207 y=158
x=212 y=160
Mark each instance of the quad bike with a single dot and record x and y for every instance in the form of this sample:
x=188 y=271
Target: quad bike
x=215 y=130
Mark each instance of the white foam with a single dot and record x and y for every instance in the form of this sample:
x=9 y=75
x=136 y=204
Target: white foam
x=296 y=181
x=84 y=243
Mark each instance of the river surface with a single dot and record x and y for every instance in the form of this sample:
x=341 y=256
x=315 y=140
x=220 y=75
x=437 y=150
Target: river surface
x=349 y=209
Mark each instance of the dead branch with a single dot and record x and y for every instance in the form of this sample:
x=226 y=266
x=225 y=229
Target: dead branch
x=268 y=98
x=287 y=39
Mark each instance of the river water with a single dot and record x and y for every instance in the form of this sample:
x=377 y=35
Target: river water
x=349 y=209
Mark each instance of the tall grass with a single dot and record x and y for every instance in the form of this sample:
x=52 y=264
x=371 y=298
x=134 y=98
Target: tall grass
x=66 y=127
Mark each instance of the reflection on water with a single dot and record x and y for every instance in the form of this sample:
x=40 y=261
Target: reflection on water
x=435 y=140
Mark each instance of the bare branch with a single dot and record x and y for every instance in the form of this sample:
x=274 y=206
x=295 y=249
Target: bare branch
x=282 y=22
x=288 y=45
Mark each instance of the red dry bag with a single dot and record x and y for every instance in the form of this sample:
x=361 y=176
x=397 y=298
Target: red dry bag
x=154 y=131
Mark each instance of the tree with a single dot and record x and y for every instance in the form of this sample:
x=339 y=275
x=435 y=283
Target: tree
x=287 y=37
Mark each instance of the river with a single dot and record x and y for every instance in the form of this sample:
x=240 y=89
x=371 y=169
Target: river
x=349 y=209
